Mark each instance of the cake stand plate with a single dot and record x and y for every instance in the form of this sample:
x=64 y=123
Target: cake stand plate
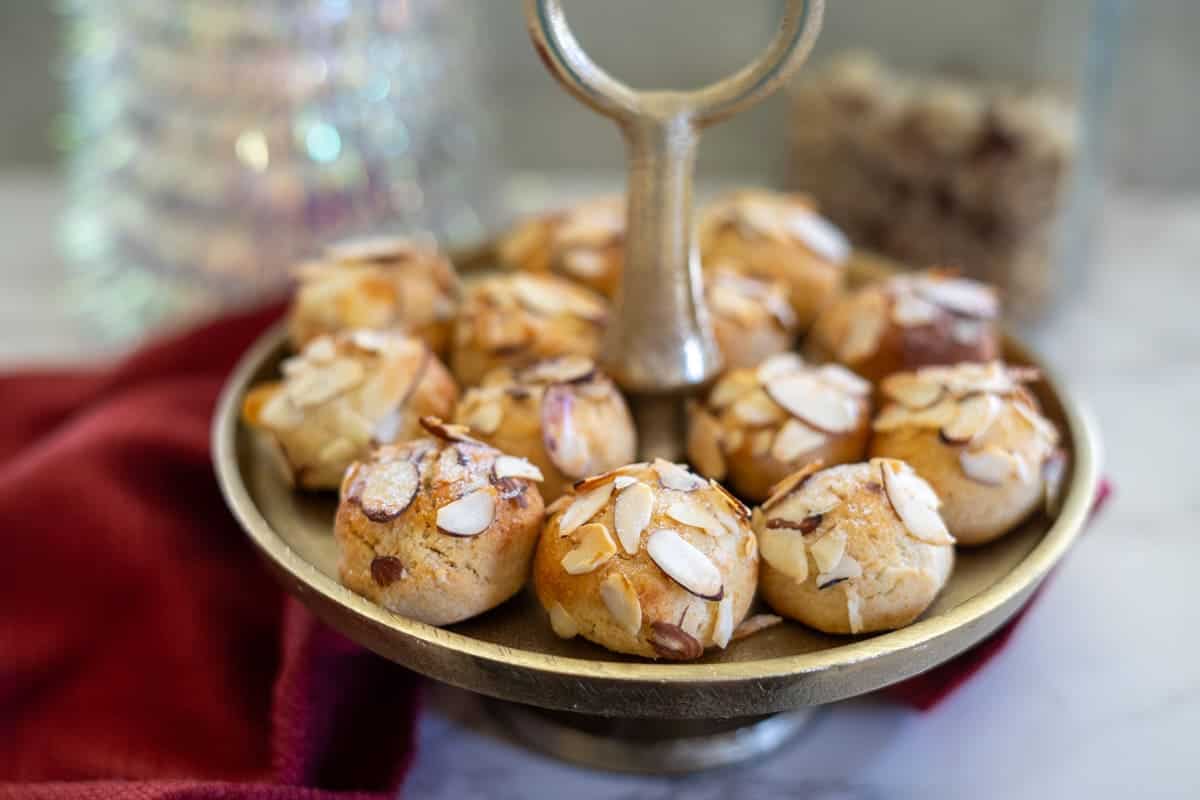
x=688 y=715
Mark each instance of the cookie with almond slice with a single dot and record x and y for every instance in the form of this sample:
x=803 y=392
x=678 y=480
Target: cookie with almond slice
x=341 y=396
x=856 y=548
x=752 y=317
x=906 y=322
x=777 y=237
x=758 y=425
x=648 y=559
x=584 y=243
x=376 y=283
x=440 y=528
x=978 y=436
x=563 y=414
x=515 y=319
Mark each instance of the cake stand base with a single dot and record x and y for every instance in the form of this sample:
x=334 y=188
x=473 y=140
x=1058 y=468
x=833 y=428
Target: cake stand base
x=648 y=746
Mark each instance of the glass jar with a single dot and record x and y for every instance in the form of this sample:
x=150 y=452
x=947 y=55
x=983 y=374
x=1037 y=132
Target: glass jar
x=939 y=134
x=214 y=143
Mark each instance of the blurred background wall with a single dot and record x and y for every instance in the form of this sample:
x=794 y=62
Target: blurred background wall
x=681 y=43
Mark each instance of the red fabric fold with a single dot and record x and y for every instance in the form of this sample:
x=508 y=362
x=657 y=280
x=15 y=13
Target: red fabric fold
x=144 y=650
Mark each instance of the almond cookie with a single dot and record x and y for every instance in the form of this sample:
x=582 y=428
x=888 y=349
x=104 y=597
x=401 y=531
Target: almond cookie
x=751 y=317
x=649 y=560
x=439 y=528
x=376 y=283
x=585 y=243
x=759 y=425
x=514 y=320
x=343 y=395
x=853 y=549
x=978 y=436
x=777 y=237
x=909 y=321
x=562 y=414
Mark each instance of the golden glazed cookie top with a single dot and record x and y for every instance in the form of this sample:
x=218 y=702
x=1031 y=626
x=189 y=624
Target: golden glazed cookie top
x=966 y=404
x=795 y=405
x=585 y=426
x=582 y=242
x=373 y=283
x=909 y=302
x=462 y=479
x=748 y=302
x=788 y=219
x=863 y=524
x=510 y=314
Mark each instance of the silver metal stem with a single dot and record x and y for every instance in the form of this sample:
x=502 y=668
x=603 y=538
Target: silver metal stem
x=660 y=339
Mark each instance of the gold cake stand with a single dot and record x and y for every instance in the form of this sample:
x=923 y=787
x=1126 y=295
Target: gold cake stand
x=579 y=701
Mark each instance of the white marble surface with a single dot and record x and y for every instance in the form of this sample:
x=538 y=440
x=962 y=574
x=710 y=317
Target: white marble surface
x=1097 y=696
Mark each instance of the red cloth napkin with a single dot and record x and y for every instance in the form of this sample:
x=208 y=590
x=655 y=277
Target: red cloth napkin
x=144 y=650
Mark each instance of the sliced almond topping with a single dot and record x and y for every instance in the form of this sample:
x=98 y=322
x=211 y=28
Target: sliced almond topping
x=862 y=336
x=513 y=467
x=760 y=443
x=584 y=507
x=739 y=508
x=722 y=630
x=684 y=564
x=621 y=481
x=469 y=515
x=728 y=389
x=910 y=311
x=621 y=600
x=485 y=417
x=795 y=439
x=275 y=410
x=960 y=295
x=894 y=417
x=595 y=548
x=819 y=235
x=815 y=402
x=584 y=263
x=991 y=465
x=754 y=624
x=828 y=550
x=854 y=609
x=1054 y=470
x=674 y=476
x=910 y=498
x=321 y=350
x=784 y=550
x=562 y=437
x=845 y=569
x=704 y=443
x=1043 y=426
x=373 y=248
x=564 y=369
x=592 y=481
x=912 y=389
x=757 y=408
x=841 y=378
x=778 y=365
x=446 y=431
x=631 y=514
x=790 y=484
x=338 y=451
x=558 y=505
x=673 y=642
x=562 y=623
x=975 y=415
x=691 y=513
x=732 y=439
x=388 y=489
x=315 y=386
